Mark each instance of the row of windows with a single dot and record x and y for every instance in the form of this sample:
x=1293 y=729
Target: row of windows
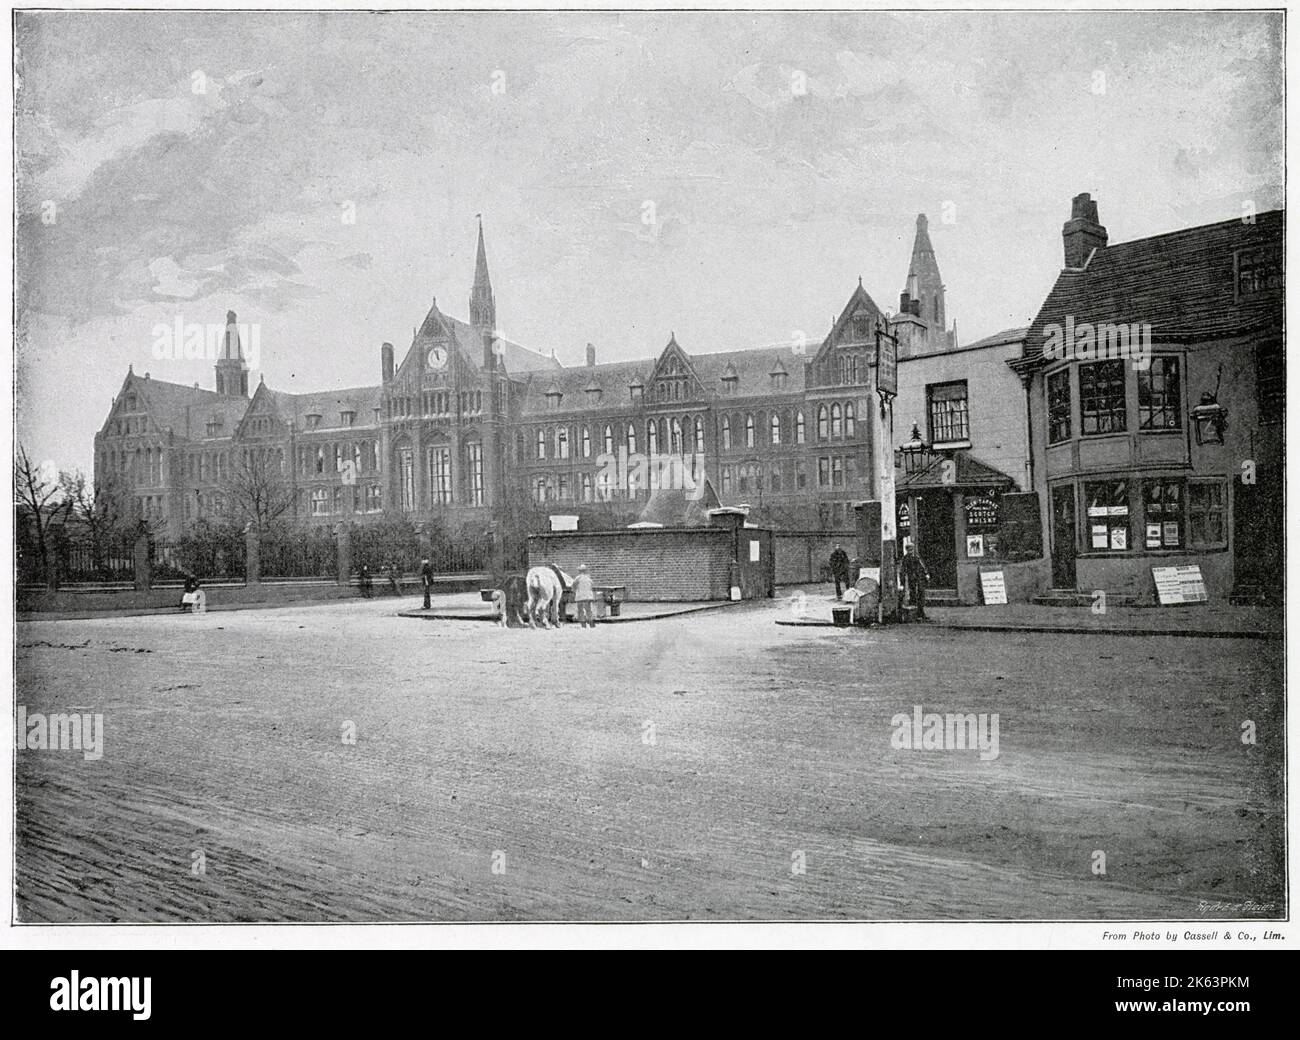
x=836 y=421
x=434 y=402
x=133 y=426
x=337 y=501
x=1103 y=398
x=340 y=457
x=1170 y=513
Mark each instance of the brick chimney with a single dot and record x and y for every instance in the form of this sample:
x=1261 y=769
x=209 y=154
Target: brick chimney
x=386 y=362
x=1082 y=233
x=591 y=356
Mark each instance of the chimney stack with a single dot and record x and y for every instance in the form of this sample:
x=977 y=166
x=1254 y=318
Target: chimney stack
x=1082 y=232
x=591 y=356
x=386 y=355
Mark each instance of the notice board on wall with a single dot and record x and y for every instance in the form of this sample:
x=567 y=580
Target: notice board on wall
x=1177 y=585
x=994 y=586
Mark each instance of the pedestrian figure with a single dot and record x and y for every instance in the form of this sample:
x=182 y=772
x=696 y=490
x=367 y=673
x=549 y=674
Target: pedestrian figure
x=393 y=580
x=426 y=578
x=367 y=586
x=840 y=569
x=190 y=597
x=583 y=596
x=915 y=579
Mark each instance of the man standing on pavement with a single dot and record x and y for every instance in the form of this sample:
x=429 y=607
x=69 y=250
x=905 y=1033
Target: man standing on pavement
x=583 y=596
x=840 y=568
x=915 y=578
x=426 y=577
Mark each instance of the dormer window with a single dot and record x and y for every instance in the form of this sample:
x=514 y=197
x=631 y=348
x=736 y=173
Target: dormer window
x=313 y=420
x=636 y=390
x=348 y=418
x=593 y=392
x=1257 y=271
x=730 y=380
x=553 y=398
x=778 y=376
x=214 y=426
x=376 y=412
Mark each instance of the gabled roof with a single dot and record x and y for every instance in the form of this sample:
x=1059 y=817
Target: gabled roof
x=611 y=379
x=971 y=473
x=1182 y=283
x=328 y=404
x=186 y=410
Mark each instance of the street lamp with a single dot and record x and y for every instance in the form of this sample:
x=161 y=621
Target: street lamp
x=915 y=452
x=1209 y=417
x=887 y=388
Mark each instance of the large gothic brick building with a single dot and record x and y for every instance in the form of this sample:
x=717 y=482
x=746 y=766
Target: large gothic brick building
x=468 y=424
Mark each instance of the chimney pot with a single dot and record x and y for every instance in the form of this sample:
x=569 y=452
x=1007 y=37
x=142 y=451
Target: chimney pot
x=591 y=356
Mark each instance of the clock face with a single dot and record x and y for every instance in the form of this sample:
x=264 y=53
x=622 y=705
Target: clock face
x=438 y=357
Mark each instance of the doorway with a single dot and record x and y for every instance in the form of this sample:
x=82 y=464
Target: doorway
x=936 y=538
x=1257 y=538
x=1063 y=535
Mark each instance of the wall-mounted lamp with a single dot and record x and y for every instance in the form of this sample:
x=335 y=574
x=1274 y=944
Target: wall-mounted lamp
x=1209 y=417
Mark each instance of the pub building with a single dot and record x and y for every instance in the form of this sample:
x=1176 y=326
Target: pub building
x=1165 y=450
x=962 y=469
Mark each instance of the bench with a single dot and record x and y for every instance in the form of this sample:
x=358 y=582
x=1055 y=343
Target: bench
x=612 y=596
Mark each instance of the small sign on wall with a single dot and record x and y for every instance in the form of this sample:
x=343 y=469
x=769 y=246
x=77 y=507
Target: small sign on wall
x=974 y=545
x=754 y=547
x=993 y=584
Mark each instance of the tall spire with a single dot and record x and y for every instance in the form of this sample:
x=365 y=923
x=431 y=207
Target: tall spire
x=924 y=282
x=482 y=304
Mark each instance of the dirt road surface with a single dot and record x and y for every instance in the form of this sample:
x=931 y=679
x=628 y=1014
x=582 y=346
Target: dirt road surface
x=711 y=767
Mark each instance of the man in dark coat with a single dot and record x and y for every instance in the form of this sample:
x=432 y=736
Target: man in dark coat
x=426 y=579
x=840 y=569
x=915 y=579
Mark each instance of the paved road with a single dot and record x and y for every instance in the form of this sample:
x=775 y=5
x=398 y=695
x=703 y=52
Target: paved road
x=679 y=769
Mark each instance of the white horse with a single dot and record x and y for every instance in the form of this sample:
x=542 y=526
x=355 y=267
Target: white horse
x=545 y=590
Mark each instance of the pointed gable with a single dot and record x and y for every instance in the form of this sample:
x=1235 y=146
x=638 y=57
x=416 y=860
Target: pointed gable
x=674 y=377
x=850 y=347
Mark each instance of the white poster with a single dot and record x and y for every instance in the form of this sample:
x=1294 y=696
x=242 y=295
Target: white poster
x=974 y=545
x=753 y=551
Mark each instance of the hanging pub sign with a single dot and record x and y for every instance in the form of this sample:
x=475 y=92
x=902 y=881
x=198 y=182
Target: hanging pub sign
x=981 y=511
x=887 y=363
x=904 y=517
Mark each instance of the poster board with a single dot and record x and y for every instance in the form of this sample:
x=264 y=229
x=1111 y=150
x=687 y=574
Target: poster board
x=993 y=585
x=1178 y=585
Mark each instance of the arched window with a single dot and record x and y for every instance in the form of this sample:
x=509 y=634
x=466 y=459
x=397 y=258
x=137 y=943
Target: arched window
x=699 y=435
x=837 y=422
x=726 y=480
x=726 y=433
x=823 y=426
x=631 y=438
x=776 y=428
x=609 y=440
x=586 y=487
x=675 y=437
x=850 y=421
x=586 y=443
x=562 y=443
x=749 y=431
x=320 y=460
x=541 y=443
x=651 y=437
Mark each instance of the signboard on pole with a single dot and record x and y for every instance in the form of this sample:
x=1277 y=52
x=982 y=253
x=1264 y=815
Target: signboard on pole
x=886 y=364
x=1177 y=585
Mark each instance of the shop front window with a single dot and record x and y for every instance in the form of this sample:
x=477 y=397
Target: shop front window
x=1107 y=515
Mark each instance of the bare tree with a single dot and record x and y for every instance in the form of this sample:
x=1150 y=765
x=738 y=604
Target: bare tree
x=256 y=491
x=98 y=506
x=41 y=503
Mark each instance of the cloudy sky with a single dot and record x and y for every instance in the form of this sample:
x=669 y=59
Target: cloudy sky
x=199 y=163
